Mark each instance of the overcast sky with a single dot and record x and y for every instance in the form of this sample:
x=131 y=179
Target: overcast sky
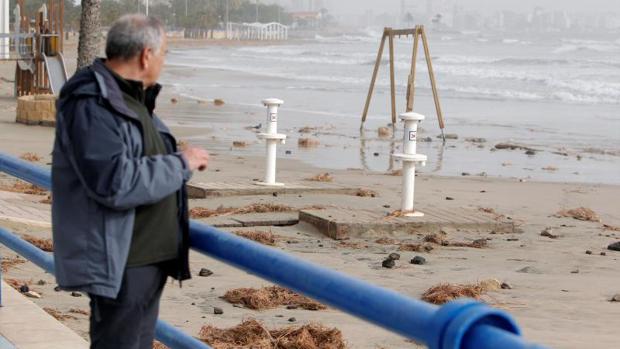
x=344 y=6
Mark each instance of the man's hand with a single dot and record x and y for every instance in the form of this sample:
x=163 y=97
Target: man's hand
x=197 y=158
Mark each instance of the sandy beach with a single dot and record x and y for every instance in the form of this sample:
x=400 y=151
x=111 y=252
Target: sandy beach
x=558 y=293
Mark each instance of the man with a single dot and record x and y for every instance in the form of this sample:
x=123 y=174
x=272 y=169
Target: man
x=119 y=214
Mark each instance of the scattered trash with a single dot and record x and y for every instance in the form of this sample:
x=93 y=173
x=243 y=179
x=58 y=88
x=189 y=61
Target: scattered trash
x=365 y=193
x=32 y=294
x=174 y=100
x=263 y=237
x=270 y=297
x=24 y=288
x=581 y=213
x=204 y=272
x=240 y=144
x=58 y=315
x=32 y=157
x=251 y=334
x=44 y=244
x=322 y=177
x=218 y=311
x=446 y=292
x=548 y=232
x=308 y=142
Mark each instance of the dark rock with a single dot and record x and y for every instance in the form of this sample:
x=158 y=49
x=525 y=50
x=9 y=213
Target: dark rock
x=57 y=289
x=375 y=154
x=464 y=174
x=603 y=254
x=292 y=307
x=483 y=191
x=388 y=263
x=615 y=298
x=76 y=294
x=449 y=198
x=588 y=252
x=41 y=282
x=204 y=272
x=614 y=247
x=320 y=245
x=512 y=239
x=24 y=288
x=394 y=256
x=386 y=206
x=475 y=140
x=292 y=319
x=218 y=311
x=275 y=194
x=576 y=271
x=418 y=260
x=193 y=303
x=279 y=315
x=426 y=139
x=288 y=152
x=530 y=152
x=506 y=286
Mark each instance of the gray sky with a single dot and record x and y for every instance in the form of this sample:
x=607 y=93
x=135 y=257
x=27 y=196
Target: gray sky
x=344 y=6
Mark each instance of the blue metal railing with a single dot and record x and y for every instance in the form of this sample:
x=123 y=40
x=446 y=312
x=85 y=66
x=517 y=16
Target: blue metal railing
x=462 y=324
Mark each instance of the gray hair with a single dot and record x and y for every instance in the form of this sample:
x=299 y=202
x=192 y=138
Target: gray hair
x=131 y=34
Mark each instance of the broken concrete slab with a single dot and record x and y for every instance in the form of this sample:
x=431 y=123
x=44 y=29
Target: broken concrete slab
x=220 y=189
x=347 y=223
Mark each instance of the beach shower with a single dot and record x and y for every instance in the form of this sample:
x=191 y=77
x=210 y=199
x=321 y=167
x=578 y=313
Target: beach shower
x=409 y=157
x=272 y=138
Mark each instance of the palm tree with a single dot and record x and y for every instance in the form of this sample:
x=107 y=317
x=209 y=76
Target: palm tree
x=90 y=29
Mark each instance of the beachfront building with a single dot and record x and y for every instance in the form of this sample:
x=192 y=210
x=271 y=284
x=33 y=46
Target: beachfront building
x=256 y=31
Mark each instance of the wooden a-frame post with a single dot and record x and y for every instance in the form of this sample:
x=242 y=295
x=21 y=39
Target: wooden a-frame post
x=418 y=33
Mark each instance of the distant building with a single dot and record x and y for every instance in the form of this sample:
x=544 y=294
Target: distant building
x=306 y=19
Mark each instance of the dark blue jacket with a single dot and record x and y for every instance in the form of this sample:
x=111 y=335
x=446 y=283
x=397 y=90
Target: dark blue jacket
x=99 y=177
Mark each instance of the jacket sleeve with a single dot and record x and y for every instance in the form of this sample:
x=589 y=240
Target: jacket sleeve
x=106 y=168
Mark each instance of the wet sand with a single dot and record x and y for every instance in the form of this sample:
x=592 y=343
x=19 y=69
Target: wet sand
x=553 y=304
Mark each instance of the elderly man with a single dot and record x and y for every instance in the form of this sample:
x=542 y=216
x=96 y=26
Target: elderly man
x=120 y=218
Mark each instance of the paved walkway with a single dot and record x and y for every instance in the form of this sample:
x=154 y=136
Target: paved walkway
x=24 y=208
x=23 y=325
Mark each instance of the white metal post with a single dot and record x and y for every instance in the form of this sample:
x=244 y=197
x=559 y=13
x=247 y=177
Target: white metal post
x=4 y=29
x=409 y=157
x=272 y=138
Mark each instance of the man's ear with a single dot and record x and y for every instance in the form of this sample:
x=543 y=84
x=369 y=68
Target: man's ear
x=145 y=58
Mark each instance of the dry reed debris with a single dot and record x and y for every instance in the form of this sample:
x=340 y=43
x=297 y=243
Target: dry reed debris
x=263 y=237
x=581 y=213
x=445 y=292
x=251 y=334
x=308 y=142
x=32 y=157
x=23 y=188
x=321 y=177
x=45 y=244
x=9 y=262
x=270 y=297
